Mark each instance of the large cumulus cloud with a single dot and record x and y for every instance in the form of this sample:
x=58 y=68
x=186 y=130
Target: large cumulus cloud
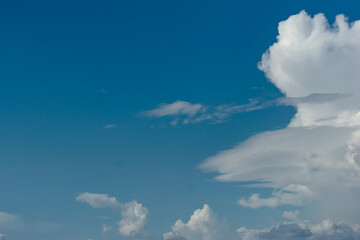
x=204 y=224
x=316 y=66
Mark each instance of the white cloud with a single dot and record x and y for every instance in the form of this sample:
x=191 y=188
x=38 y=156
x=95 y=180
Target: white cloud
x=133 y=214
x=315 y=65
x=311 y=57
x=134 y=217
x=109 y=126
x=96 y=200
x=189 y=113
x=293 y=215
x=290 y=195
x=175 y=108
x=203 y=224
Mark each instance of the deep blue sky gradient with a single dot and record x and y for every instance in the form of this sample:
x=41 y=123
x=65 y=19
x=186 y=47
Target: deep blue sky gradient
x=68 y=68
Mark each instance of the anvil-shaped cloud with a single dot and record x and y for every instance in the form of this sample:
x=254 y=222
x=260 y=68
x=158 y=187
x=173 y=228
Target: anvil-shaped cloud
x=316 y=159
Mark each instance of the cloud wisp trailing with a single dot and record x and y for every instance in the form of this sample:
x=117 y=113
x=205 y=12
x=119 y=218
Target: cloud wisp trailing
x=183 y=112
x=133 y=214
x=315 y=65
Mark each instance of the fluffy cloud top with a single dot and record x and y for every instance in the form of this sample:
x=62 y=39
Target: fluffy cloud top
x=312 y=57
x=203 y=224
x=96 y=200
x=316 y=66
x=134 y=217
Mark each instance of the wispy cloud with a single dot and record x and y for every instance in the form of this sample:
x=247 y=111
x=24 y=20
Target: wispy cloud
x=184 y=112
x=109 y=126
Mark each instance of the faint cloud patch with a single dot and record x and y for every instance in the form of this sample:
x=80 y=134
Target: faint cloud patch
x=108 y=126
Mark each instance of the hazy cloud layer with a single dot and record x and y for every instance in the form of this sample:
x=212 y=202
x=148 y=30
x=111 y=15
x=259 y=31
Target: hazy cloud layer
x=315 y=65
x=6 y=218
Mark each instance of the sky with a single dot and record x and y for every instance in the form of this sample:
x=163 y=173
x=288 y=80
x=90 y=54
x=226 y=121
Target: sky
x=179 y=120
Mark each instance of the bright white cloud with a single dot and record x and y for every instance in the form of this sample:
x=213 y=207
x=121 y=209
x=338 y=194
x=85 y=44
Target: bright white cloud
x=96 y=200
x=316 y=66
x=203 y=224
x=134 y=217
x=186 y=112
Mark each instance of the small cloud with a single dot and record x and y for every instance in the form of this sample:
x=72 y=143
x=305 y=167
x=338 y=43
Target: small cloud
x=290 y=195
x=134 y=217
x=96 y=200
x=2 y=236
x=109 y=126
x=174 y=109
x=203 y=224
x=106 y=228
x=293 y=215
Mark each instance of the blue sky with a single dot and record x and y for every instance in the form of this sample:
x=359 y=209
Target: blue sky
x=79 y=80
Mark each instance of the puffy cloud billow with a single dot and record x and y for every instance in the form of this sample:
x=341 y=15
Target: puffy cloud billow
x=316 y=66
x=133 y=214
x=134 y=217
x=204 y=224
